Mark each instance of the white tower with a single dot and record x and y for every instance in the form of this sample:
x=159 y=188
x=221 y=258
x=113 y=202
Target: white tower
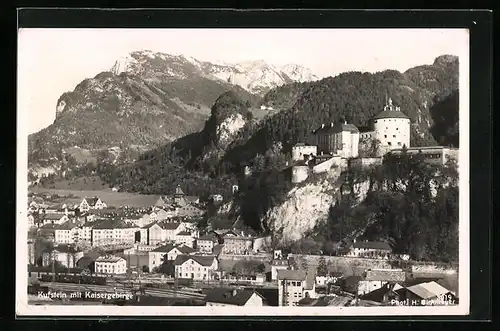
x=392 y=128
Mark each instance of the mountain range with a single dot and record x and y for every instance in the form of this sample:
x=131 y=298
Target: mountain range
x=147 y=99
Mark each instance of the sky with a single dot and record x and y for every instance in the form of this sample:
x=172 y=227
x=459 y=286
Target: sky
x=54 y=61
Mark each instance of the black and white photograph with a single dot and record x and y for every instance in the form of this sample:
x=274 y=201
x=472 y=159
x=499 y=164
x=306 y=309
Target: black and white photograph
x=242 y=171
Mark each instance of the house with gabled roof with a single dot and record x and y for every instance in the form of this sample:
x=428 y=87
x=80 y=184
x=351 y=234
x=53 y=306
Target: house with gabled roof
x=167 y=252
x=112 y=231
x=293 y=285
x=51 y=218
x=427 y=293
x=226 y=297
x=185 y=238
x=91 y=203
x=65 y=233
x=206 y=243
x=370 y=249
x=196 y=267
x=373 y=279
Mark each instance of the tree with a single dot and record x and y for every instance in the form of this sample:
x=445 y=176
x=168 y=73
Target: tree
x=145 y=268
x=322 y=267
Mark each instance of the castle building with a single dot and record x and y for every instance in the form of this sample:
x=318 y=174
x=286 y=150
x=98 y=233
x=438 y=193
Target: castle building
x=340 y=139
x=391 y=128
x=300 y=151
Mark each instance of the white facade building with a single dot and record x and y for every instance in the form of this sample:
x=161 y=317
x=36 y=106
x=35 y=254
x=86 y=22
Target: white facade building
x=196 y=267
x=299 y=151
x=111 y=265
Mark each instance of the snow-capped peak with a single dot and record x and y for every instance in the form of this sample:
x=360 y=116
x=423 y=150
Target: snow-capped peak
x=255 y=76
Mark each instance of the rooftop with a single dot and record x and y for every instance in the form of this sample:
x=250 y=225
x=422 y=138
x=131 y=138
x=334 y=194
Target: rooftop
x=109 y=258
x=372 y=245
x=184 y=233
x=235 y=297
x=204 y=260
x=390 y=111
x=428 y=290
x=390 y=275
x=337 y=128
x=292 y=274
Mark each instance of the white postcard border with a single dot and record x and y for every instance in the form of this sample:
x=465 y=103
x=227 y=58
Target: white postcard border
x=23 y=309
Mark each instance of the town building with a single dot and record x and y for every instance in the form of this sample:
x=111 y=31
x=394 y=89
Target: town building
x=385 y=294
x=431 y=154
x=66 y=233
x=91 y=203
x=66 y=255
x=222 y=297
x=31 y=252
x=237 y=244
x=370 y=249
x=168 y=252
x=196 y=267
x=293 y=285
x=278 y=264
x=425 y=293
x=185 y=238
x=206 y=243
x=31 y=220
x=338 y=139
x=110 y=264
x=374 y=279
x=113 y=232
x=301 y=151
x=50 y=218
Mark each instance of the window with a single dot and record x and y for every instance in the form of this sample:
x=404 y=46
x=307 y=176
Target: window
x=397 y=129
x=389 y=143
x=385 y=136
x=394 y=136
x=399 y=143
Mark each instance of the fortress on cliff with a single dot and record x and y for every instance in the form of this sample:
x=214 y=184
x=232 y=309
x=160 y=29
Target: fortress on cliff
x=338 y=145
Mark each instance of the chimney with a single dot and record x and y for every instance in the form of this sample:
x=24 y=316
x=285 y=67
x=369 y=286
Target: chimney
x=345 y=122
x=322 y=125
x=234 y=292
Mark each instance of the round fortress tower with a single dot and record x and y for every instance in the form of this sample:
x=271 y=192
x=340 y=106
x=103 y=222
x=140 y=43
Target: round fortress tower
x=391 y=128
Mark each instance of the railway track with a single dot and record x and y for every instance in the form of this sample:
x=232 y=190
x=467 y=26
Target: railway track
x=69 y=287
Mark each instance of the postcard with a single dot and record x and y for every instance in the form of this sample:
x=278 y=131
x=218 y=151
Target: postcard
x=243 y=172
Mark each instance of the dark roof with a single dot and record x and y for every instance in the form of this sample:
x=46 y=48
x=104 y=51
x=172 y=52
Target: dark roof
x=229 y=296
x=92 y=201
x=112 y=223
x=291 y=274
x=184 y=233
x=50 y=226
x=208 y=237
x=53 y=216
x=378 y=294
x=67 y=226
x=150 y=225
x=65 y=248
x=179 y=191
x=164 y=249
x=204 y=260
x=170 y=226
x=372 y=245
x=186 y=249
x=337 y=128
